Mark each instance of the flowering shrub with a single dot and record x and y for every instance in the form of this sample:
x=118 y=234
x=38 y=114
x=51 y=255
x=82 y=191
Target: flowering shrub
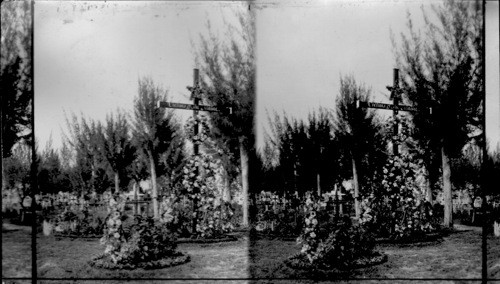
x=148 y=240
x=328 y=241
x=114 y=234
x=399 y=207
x=311 y=236
x=212 y=215
x=144 y=240
x=177 y=214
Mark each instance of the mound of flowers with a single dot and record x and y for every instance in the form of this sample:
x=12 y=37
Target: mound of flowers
x=198 y=202
x=197 y=212
x=142 y=243
x=333 y=242
x=400 y=211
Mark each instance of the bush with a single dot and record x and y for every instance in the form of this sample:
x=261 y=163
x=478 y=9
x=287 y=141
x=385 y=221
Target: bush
x=333 y=242
x=347 y=243
x=148 y=240
x=145 y=240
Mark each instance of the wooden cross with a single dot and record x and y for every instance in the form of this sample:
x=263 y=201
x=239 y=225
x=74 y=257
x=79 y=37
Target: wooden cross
x=338 y=200
x=196 y=92
x=395 y=106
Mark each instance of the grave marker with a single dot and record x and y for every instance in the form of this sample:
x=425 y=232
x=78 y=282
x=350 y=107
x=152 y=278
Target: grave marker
x=196 y=92
x=395 y=106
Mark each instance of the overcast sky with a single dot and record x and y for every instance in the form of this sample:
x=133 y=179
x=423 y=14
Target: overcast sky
x=304 y=49
x=90 y=55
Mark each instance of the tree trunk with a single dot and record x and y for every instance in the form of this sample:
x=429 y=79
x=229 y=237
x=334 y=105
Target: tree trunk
x=156 y=211
x=117 y=182
x=4 y=176
x=318 y=184
x=135 y=198
x=428 y=193
x=357 y=206
x=447 y=193
x=244 y=181
x=226 y=196
x=93 y=176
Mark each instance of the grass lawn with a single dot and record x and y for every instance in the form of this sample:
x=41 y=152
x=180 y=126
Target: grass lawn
x=494 y=258
x=458 y=256
x=68 y=258
x=16 y=251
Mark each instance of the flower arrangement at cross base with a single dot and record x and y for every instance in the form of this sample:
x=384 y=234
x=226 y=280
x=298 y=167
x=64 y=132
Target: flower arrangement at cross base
x=399 y=207
x=211 y=212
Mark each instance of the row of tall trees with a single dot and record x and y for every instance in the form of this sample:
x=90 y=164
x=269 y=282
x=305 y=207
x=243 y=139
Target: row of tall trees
x=123 y=148
x=326 y=149
x=228 y=79
x=150 y=142
x=15 y=81
x=441 y=69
